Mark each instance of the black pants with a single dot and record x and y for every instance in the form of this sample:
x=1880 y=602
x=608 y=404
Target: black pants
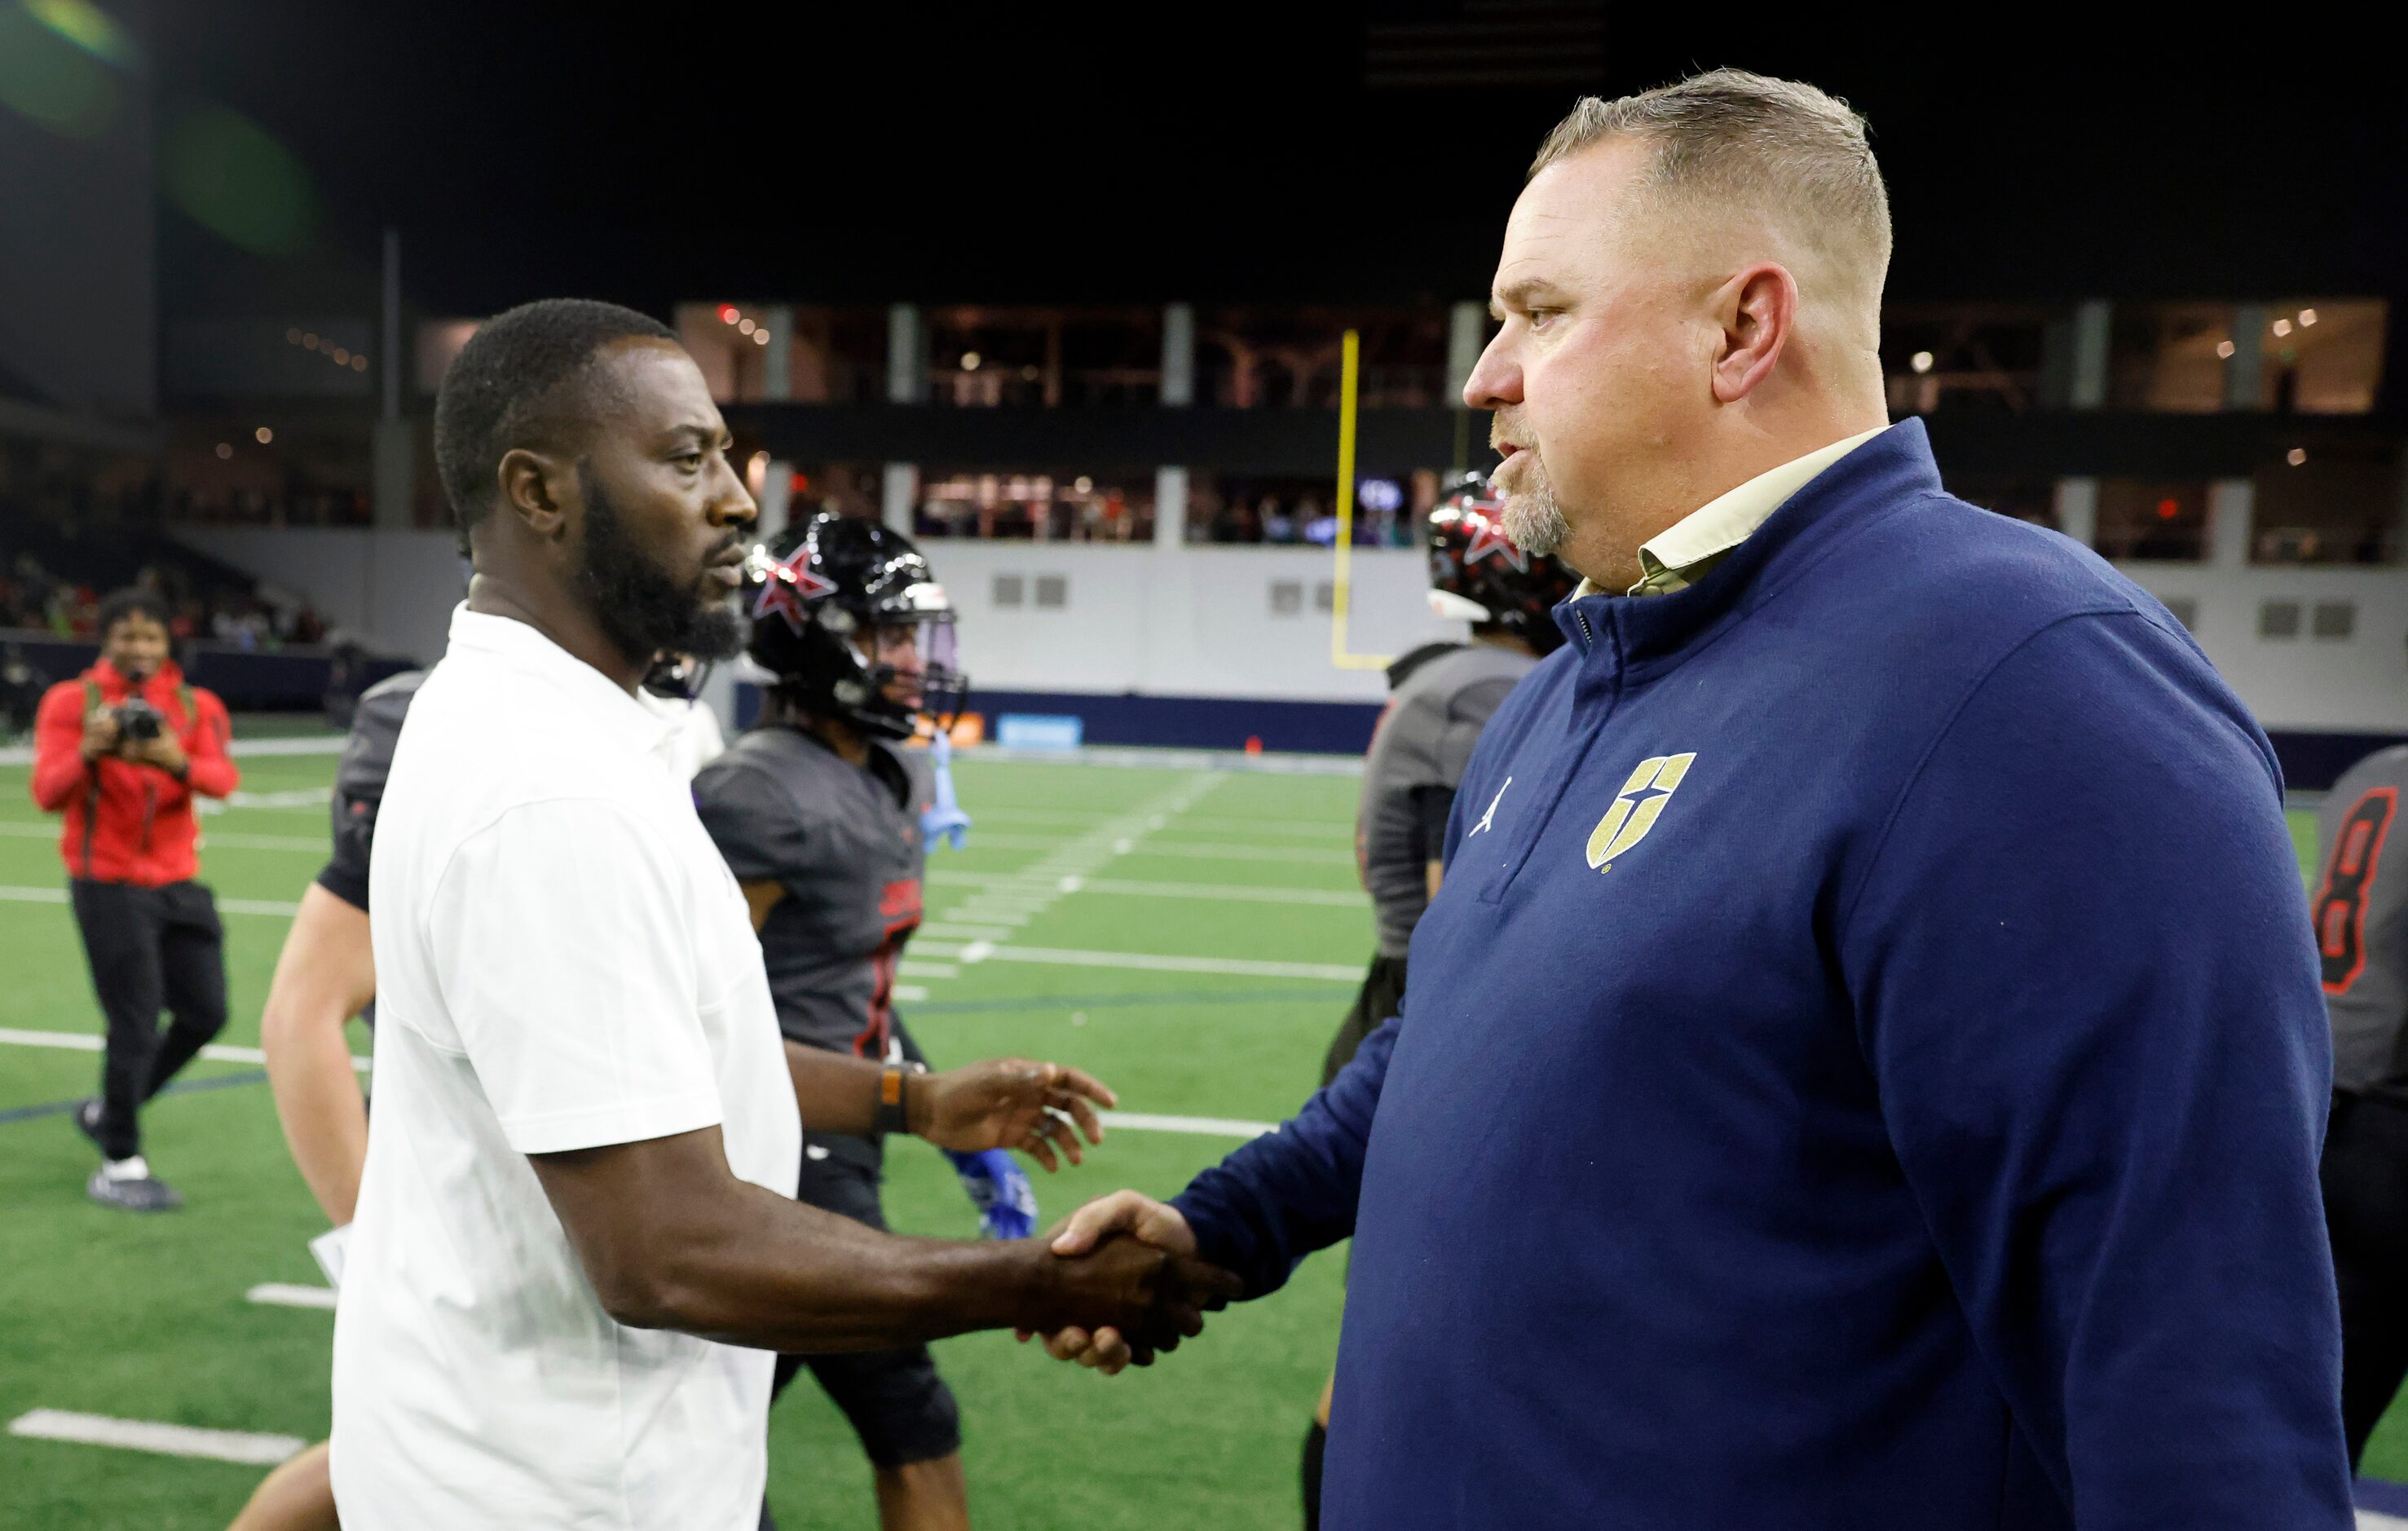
x=1383 y=992
x=896 y=1402
x=2365 y=1175
x=149 y=948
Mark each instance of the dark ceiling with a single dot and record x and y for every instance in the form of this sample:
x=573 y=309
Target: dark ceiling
x=1224 y=151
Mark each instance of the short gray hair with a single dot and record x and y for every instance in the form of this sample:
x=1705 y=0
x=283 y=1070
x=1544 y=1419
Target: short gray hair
x=1737 y=138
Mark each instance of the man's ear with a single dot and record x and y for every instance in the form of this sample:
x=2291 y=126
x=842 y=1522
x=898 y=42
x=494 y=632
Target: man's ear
x=1757 y=311
x=539 y=488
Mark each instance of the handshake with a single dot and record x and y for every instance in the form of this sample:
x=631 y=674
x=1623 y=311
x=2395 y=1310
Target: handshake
x=1173 y=1290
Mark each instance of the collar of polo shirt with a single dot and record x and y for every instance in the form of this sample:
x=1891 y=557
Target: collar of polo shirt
x=1683 y=553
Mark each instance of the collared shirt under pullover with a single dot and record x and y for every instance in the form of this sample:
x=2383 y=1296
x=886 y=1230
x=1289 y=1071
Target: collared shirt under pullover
x=1865 y=1067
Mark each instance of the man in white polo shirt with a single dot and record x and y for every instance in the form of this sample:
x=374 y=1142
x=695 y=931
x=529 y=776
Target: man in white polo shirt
x=575 y=1224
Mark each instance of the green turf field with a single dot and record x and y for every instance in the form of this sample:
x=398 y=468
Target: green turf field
x=145 y=1319
x=1247 y=876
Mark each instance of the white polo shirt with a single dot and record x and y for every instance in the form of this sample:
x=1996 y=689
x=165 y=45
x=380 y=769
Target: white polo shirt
x=563 y=962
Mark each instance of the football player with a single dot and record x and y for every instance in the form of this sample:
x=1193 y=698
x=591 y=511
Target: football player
x=825 y=820
x=2361 y=904
x=1441 y=696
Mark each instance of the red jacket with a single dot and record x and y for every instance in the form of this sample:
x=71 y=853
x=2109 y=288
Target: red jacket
x=127 y=822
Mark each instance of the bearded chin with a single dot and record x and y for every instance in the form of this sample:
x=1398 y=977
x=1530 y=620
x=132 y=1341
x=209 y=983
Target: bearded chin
x=641 y=608
x=1534 y=520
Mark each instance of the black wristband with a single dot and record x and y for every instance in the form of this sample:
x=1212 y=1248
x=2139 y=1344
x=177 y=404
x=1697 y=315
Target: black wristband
x=893 y=1103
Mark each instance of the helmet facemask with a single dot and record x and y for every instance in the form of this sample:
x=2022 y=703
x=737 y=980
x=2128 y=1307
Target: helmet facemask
x=907 y=669
x=852 y=626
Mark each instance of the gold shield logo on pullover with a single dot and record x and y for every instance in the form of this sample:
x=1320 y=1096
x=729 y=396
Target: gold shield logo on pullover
x=1632 y=815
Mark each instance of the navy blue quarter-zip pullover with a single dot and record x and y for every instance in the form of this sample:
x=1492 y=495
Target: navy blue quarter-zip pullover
x=1864 y=1069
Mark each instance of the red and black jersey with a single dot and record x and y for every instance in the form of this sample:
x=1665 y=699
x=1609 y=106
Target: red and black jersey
x=844 y=843
x=2359 y=901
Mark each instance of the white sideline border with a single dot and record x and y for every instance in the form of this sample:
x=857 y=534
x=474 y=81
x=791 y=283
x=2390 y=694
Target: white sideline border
x=330 y=744
x=239 y=1446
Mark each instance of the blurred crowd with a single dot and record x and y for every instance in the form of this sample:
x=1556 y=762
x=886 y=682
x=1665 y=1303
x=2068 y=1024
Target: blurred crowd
x=36 y=597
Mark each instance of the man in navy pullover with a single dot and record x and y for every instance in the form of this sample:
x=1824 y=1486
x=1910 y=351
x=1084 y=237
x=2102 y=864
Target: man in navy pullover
x=1864 y=1067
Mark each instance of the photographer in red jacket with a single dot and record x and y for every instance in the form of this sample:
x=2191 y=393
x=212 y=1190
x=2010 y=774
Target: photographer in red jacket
x=120 y=751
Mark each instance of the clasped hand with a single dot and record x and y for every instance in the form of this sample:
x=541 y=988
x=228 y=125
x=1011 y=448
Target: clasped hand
x=1095 y=1230
x=1127 y=1283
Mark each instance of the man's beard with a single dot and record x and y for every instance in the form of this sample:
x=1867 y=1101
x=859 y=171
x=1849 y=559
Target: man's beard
x=1532 y=518
x=641 y=608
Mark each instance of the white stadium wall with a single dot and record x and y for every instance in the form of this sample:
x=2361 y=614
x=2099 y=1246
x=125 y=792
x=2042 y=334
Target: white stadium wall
x=1183 y=622
x=1237 y=622
x=2298 y=682
x=1251 y=622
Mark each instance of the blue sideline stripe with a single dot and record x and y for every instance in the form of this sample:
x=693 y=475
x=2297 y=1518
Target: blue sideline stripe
x=2389 y=1499
x=181 y=1087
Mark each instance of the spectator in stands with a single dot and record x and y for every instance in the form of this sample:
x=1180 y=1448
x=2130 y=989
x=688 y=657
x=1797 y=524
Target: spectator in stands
x=120 y=751
x=21 y=683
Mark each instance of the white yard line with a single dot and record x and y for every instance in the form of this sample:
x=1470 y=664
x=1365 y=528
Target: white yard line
x=147 y=1436
x=965 y=933
x=1326 y=829
x=1144 y=962
x=285 y=1295
x=1240 y=893
x=210 y=839
x=225 y=906
x=1203 y=1126
x=2372 y=1520
x=85 y=1041
x=1016 y=901
x=295 y=798
x=329 y=744
x=1202 y=851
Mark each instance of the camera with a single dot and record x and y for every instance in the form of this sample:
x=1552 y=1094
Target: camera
x=138 y=721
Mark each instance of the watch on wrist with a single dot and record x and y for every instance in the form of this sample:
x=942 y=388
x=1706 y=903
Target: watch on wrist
x=894 y=1101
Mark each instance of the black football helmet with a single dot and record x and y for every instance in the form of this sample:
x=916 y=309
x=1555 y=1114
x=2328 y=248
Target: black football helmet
x=834 y=586
x=1479 y=575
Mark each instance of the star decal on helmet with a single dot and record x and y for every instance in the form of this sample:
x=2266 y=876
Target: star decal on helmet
x=787 y=583
x=1488 y=537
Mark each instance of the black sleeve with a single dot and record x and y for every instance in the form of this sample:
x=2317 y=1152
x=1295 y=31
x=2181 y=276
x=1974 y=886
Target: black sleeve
x=346 y=873
x=359 y=788
x=1431 y=806
x=755 y=826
